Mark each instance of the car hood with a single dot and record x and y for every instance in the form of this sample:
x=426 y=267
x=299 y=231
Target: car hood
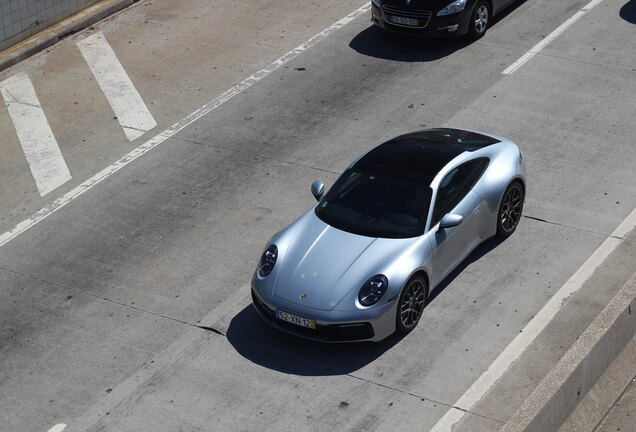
x=322 y=263
x=433 y=5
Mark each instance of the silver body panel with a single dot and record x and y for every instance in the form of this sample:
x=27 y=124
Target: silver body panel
x=320 y=269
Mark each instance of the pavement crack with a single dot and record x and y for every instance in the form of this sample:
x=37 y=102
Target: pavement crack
x=211 y=329
x=134 y=128
x=352 y=375
x=606 y=66
x=19 y=102
x=632 y=381
x=424 y=398
x=492 y=45
x=261 y=157
x=538 y=219
x=87 y=293
x=257 y=345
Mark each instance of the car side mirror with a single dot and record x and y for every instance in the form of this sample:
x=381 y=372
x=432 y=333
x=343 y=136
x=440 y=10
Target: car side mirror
x=317 y=189
x=450 y=220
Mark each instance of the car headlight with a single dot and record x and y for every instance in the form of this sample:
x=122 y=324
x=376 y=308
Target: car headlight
x=268 y=260
x=373 y=290
x=454 y=7
x=378 y=3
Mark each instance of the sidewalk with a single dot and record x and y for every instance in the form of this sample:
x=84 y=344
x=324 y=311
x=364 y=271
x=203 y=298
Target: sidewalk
x=622 y=416
x=610 y=405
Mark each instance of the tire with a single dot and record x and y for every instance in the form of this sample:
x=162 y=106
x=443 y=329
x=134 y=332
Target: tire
x=510 y=209
x=479 y=20
x=411 y=304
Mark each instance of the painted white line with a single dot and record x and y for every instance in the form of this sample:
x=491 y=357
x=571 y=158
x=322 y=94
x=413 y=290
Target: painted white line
x=58 y=428
x=40 y=147
x=556 y=33
x=172 y=130
x=123 y=97
x=512 y=352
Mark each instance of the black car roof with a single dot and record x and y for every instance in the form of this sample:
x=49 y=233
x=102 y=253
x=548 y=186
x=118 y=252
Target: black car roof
x=426 y=152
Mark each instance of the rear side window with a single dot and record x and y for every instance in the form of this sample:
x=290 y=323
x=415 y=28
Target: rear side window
x=456 y=185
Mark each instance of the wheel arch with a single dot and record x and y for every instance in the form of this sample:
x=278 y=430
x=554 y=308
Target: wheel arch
x=516 y=179
x=420 y=272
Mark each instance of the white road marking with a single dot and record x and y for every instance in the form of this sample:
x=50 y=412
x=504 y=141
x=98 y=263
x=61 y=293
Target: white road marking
x=58 y=428
x=556 y=33
x=40 y=147
x=175 y=128
x=512 y=352
x=123 y=97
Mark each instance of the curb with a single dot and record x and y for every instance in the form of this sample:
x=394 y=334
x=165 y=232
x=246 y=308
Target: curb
x=554 y=399
x=49 y=36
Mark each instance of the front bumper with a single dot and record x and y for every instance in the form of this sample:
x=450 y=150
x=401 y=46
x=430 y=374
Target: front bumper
x=371 y=325
x=444 y=26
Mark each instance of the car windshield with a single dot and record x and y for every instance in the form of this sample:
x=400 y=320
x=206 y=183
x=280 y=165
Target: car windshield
x=375 y=201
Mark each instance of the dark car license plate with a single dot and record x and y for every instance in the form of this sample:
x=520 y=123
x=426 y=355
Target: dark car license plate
x=413 y=22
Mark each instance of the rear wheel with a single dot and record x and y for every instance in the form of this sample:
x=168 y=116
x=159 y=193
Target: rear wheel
x=479 y=20
x=411 y=304
x=510 y=209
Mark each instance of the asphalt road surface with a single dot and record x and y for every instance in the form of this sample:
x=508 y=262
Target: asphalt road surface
x=124 y=280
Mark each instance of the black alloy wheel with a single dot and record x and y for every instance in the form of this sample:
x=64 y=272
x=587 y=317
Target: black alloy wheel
x=510 y=209
x=479 y=20
x=411 y=304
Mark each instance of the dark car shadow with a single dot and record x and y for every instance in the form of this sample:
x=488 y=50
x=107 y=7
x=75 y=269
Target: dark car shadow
x=264 y=345
x=375 y=42
x=258 y=342
x=475 y=255
x=507 y=11
x=628 y=12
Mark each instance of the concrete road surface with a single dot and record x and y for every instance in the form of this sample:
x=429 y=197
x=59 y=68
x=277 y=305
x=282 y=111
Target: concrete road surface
x=108 y=275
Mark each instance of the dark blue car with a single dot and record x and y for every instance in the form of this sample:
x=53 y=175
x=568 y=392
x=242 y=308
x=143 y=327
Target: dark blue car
x=436 y=17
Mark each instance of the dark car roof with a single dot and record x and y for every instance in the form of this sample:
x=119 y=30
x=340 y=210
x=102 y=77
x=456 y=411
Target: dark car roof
x=424 y=153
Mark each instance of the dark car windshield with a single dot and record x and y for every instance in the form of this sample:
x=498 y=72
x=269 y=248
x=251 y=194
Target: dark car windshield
x=377 y=202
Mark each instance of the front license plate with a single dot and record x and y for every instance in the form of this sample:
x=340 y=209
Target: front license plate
x=404 y=21
x=299 y=321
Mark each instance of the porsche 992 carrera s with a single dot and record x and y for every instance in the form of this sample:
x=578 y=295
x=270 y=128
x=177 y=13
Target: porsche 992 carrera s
x=360 y=264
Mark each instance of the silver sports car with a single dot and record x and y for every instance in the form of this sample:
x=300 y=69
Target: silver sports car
x=360 y=264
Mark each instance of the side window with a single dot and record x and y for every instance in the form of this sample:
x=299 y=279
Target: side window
x=456 y=185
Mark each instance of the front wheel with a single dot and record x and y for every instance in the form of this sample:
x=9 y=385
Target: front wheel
x=510 y=209
x=479 y=20
x=411 y=304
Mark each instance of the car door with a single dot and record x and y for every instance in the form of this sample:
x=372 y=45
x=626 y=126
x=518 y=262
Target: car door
x=455 y=196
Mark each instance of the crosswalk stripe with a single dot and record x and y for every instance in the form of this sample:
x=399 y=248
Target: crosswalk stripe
x=144 y=148
x=40 y=147
x=124 y=99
